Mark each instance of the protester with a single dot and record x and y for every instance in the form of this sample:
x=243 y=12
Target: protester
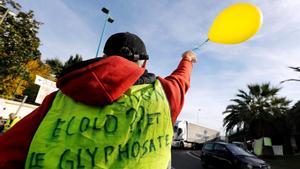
x=1 y=124
x=109 y=113
x=13 y=119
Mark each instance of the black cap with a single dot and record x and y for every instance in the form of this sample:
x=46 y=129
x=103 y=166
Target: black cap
x=127 y=45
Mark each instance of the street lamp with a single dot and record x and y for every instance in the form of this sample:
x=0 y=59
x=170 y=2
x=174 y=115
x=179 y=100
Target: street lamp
x=107 y=19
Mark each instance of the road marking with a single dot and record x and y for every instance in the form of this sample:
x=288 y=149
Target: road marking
x=192 y=155
x=172 y=168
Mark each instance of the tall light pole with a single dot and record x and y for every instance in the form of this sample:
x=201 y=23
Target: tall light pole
x=107 y=19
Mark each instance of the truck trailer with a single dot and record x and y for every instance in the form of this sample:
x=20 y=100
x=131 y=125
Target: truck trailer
x=190 y=135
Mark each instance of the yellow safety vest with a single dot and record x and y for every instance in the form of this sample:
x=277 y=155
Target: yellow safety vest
x=10 y=123
x=135 y=132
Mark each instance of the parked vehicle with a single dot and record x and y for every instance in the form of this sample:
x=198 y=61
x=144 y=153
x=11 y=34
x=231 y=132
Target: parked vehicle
x=240 y=144
x=190 y=135
x=230 y=156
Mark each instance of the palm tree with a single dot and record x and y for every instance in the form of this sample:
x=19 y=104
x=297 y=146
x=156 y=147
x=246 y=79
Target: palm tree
x=237 y=112
x=254 y=111
x=297 y=69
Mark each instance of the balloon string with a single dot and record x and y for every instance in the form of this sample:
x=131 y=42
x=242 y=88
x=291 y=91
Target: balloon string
x=198 y=47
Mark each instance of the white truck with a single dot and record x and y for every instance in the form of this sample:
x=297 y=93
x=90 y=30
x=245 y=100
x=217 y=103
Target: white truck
x=190 y=135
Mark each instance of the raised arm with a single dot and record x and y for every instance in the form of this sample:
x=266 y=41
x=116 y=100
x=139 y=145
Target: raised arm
x=177 y=84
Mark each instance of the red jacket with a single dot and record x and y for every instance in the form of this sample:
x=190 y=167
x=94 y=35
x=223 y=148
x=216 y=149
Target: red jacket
x=99 y=83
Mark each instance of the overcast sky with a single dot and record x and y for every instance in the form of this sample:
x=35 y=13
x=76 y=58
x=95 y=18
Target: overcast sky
x=170 y=27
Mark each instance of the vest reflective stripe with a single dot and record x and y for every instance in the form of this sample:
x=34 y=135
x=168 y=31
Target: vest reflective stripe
x=133 y=132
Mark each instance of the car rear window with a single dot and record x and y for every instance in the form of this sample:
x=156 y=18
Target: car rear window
x=208 y=146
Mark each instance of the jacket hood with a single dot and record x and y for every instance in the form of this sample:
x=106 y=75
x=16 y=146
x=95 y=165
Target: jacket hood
x=102 y=82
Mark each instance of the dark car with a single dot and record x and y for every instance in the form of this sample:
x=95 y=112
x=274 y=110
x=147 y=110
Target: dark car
x=230 y=156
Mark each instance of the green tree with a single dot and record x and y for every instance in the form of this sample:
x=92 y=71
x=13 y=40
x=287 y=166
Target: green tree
x=14 y=85
x=35 y=67
x=60 y=69
x=56 y=66
x=255 y=111
x=18 y=41
x=11 y=3
x=18 y=46
x=72 y=60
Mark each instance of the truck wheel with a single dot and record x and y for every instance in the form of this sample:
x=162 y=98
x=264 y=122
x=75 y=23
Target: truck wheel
x=181 y=145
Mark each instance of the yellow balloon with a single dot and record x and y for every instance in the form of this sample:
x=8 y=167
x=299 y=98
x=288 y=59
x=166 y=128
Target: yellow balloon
x=236 y=24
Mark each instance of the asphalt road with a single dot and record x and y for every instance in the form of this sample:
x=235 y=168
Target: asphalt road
x=185 y=159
